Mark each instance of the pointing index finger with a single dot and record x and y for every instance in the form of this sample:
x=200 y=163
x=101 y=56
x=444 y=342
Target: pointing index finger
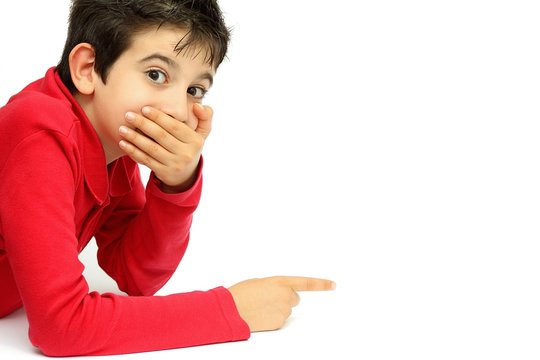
x=302 y=283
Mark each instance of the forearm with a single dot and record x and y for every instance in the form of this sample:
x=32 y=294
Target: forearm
x=109 y=324
x=143 y=257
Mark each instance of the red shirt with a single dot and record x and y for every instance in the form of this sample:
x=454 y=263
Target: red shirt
x=56 y=193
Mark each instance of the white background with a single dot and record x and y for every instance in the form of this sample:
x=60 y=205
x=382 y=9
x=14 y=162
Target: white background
x=391 y=146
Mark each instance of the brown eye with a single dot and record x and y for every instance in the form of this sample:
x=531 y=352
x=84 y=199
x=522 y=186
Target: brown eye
x=196 y=92
x=157 y=76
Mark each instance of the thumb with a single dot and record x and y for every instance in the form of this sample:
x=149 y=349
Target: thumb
x=204 y=115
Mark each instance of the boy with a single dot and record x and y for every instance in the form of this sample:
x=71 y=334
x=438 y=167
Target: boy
x=128 y=90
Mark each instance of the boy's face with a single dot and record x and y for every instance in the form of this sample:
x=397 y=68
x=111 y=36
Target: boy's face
x=150 y=73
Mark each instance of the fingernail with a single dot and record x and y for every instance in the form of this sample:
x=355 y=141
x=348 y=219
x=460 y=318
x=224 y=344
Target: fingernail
x=146 y=110
x=130 y=116
x=123 y=130
x=333 y=285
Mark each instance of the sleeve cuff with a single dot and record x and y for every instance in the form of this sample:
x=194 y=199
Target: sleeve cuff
x=190 y=196
x=239 y=328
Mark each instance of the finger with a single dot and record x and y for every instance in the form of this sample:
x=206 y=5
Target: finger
x=302 y=283
x=204 y=115
x=148 y=129
x=140 y=156
x=142 y=142
x=168 y=130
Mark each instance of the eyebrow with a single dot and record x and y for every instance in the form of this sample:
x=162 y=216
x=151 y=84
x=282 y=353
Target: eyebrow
x=163 y=58
x=207 y=76
x=170 y=62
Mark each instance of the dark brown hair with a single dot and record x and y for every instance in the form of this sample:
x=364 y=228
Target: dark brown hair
x=109 y=26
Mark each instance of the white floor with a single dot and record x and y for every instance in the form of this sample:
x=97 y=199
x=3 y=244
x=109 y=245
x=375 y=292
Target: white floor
x=392 y=146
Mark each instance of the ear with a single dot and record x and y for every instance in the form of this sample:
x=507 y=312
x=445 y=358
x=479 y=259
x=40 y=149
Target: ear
x=81 y=65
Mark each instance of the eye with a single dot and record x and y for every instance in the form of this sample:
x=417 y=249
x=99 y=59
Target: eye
x=197 y=92
x=157 y=76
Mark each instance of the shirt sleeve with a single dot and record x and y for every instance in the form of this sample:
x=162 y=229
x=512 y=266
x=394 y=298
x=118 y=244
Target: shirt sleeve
x=146 y=234
x=65 y=319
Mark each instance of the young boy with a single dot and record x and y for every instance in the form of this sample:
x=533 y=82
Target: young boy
x=128 y=90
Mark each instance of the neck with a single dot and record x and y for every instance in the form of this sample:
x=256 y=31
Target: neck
x=111 y=149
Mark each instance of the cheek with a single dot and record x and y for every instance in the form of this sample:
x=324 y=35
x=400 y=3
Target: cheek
x=133 y=101
x=128 y=96
x=115 y=103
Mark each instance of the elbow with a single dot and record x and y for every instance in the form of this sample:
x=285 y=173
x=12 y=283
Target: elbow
x=56 y=343
x=53 y=346
x=72 y=333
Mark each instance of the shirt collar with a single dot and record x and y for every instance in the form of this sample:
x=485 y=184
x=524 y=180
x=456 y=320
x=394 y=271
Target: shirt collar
x=121 y=174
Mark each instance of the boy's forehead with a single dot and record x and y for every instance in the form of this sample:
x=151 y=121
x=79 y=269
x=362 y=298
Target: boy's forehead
x=166 y=40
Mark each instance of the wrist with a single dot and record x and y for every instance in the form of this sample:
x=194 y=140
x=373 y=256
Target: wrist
x=183 y=185
x=175 y=189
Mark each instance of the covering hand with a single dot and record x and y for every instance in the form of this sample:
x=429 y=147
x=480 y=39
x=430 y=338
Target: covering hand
x=169 y=147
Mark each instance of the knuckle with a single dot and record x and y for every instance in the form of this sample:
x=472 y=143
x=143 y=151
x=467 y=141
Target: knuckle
x=177 y=169
x=154 y=148
x=277 y=321
x=139 y=122
x=184 y=158
x=284 y=316
x=307 y=283
x=146 y=160
x=176 y=127
x=161 y=135
x=294 y=299
x=287 y=313
x=198 y=141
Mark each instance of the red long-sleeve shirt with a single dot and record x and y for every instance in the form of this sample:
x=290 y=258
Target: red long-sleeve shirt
x=56 y=193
